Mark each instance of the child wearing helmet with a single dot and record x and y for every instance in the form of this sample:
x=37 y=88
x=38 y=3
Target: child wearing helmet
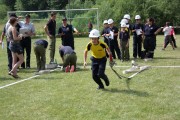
x=98 y=58
x=124 y=42
x=137 y=30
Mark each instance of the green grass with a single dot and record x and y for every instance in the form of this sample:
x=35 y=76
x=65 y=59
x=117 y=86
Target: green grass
x=153 y=95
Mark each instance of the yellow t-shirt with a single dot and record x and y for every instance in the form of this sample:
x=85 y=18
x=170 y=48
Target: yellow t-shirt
x=97 y=51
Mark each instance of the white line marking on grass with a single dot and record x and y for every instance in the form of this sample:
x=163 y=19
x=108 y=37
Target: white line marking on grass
x=18 y=81
x=131 y=66
x=1 y=87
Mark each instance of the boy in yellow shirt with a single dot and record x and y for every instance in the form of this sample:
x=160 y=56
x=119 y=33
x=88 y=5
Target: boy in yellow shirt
x=98 y=58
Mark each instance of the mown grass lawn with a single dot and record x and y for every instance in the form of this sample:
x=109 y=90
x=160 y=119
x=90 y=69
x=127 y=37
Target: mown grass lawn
x=153 y=95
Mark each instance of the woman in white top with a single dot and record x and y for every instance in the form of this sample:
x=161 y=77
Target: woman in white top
x=167 y=33
x=15 y=47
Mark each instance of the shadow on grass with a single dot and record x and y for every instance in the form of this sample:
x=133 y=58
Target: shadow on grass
x=131 y=92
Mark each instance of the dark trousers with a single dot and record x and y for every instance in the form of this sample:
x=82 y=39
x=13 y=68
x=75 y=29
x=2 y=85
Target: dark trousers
x=9 y=54
x=137 y=45
x=98 y=70
x=26 y=46
x=149 y=46
x=40 y=53
x=166 y=42
x=113 y=44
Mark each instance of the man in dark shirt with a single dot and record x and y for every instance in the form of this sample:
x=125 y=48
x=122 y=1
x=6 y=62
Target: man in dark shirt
x=50 y=29
x=69 y=58
x=40 y=52
x=66 y=33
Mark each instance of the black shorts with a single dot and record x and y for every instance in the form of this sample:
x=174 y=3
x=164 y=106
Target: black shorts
x=16 y=48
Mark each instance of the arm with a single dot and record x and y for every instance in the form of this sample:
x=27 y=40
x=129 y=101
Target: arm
x=46 y=30
x=75 y=30
x=157 y=31
x=2 y=37
x=85 y=58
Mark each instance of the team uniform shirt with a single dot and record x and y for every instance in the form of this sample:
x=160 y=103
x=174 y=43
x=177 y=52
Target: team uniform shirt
x=150 y=30
x=42 y=42
x=97 y=51
x=137 y=27
x=68 y=31
x=167 y=31
x=28 y=26
x=115 y=30
x=124 y=36
x=172 y=31
x=105 y=31
x=51 y=27
x=65 y=50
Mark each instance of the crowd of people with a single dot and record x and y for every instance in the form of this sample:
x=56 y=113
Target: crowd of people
x=115 y=45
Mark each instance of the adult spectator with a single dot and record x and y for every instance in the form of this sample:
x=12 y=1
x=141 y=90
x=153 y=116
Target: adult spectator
x=50 y=29
x=4 y=33
x=69 y=58
x=150 y=32
x=167 y=34
x=40 y=52
x=15 y=46
x=90 y=26
x=66 y=33
x=27 y=26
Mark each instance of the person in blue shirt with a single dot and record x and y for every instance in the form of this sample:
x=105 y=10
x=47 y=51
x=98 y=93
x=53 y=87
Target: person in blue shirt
x=137 y=30
x=150 y=32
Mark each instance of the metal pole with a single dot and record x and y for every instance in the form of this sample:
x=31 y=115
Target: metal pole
x=98 y=19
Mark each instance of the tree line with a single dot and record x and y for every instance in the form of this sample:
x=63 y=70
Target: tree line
x=161 y=10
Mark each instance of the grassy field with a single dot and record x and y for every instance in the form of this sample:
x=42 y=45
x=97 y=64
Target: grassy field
x=153 y=95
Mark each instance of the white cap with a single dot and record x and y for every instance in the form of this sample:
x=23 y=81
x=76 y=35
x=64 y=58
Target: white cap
x=94 y=33
x=123 y=25
x=137 y=17
x=105 y=22
x=110 y=21
x=127 y=16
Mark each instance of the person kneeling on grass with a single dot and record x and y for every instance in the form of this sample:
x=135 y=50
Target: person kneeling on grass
x=98 y=58
x=69 y=58
x=40 y=52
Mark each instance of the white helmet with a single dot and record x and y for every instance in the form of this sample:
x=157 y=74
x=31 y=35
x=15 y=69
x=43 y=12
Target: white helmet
x=110 y=21
x=137 y=17
x=105 y=22
x=124 y=21
x=123 y=25
x=127 y=16
x=94 y=33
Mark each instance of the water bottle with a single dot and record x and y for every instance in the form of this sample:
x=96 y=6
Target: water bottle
x=2 y=45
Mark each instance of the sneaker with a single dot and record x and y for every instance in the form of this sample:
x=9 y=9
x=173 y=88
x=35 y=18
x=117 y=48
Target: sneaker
x=163 y=48
x=100 y=87
x=67 y=68
x=107 y=82
x=72 y=68
x=28 y=67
